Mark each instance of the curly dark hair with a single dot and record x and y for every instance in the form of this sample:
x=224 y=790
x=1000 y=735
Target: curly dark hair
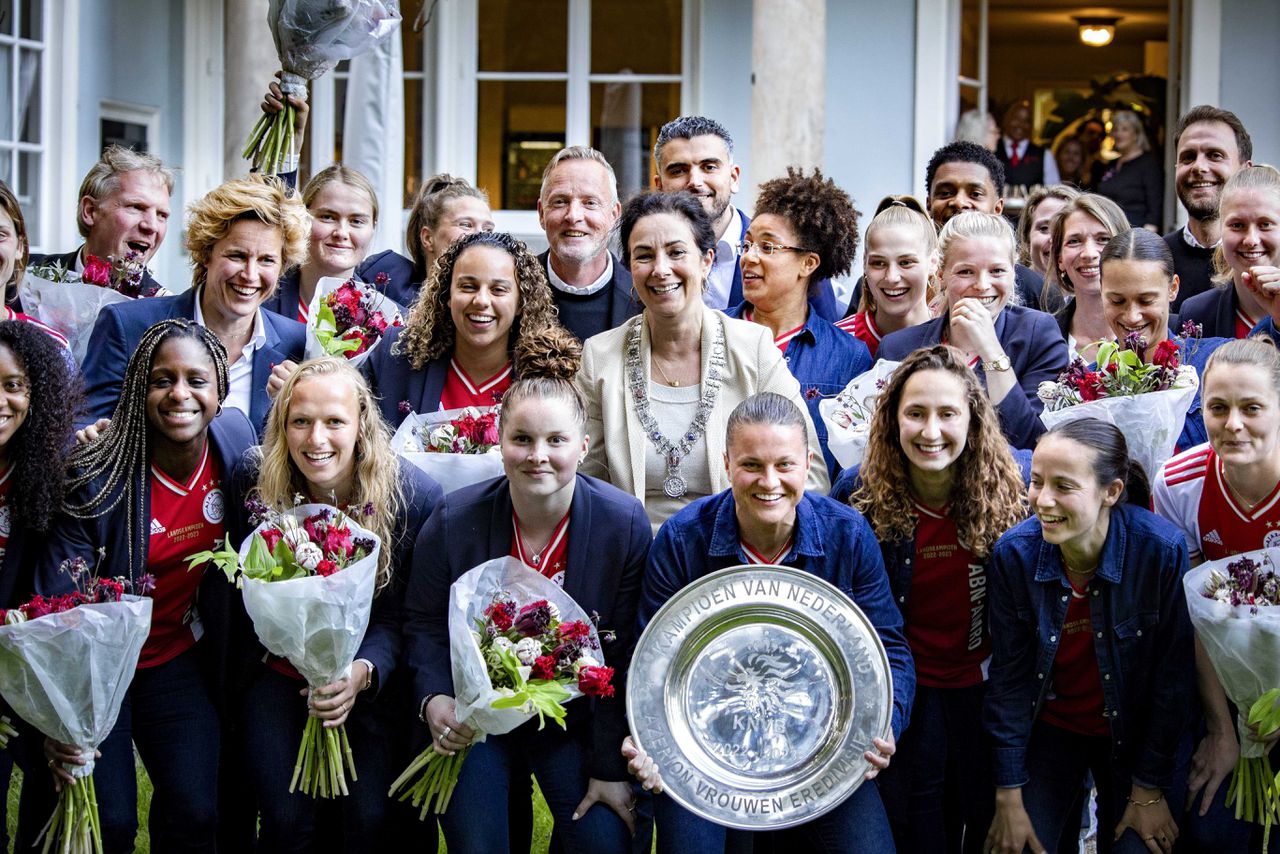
x=822 y=214
x=429 y=332
x=38 y=450
x=963 y=151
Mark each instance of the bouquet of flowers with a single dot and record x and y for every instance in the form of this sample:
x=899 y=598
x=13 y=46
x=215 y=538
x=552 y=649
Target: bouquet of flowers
x=312 y=36
x=70 y=302
x=1235 y=609
x=1148 y=403
x=848 y=414
x=348 y=318
x=457 y=447
x=65 y=665
x=511 y=662
x=308 y=575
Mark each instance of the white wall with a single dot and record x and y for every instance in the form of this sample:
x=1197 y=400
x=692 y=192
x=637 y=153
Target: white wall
x=723 y=75
x=1250 y=70
x=131 y=51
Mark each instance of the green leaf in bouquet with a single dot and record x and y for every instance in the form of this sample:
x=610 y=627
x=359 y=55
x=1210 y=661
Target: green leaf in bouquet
x=327 y=333
x=258 y=561
x=285 y=566
x=511 y=667
x=224 y=558
x=1264 y=714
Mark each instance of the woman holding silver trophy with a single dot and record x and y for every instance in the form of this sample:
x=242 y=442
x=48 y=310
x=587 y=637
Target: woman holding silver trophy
x=760 y=709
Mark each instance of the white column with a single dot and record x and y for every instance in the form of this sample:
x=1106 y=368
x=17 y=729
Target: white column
x=788 y=93
x=250 y=60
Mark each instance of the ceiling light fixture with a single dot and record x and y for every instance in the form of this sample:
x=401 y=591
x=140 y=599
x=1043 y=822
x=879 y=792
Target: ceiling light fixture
x=1097 y=32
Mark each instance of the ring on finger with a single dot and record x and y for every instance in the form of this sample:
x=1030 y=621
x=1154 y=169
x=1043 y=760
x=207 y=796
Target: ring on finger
x=51 y=761
x=444 y=733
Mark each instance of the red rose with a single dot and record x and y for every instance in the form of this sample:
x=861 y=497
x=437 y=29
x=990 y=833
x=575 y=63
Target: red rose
x=271 y=536
x=469 y=428
x=596 y=681
x=96 y=271
x=326 y=567
x=356 y=334
x=576 y=630
x=499 y=613
x=337 y=541
x=1166 y=355
x=544 y=667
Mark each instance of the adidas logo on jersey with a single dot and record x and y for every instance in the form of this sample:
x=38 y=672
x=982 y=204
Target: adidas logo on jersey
x=1212 y=537
x=157 y=527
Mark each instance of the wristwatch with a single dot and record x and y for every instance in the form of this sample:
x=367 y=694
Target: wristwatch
x=1001 y=364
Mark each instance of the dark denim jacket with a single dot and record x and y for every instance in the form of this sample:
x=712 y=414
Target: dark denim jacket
x=1142 y=637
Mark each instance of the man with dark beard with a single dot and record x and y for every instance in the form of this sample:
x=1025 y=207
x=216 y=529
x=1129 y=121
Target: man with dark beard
x=694 y=154
x=1212 y=145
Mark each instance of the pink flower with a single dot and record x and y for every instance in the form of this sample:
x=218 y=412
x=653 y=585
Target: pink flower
x=271 y=536
x=337 y=541
x=326 y=567
x=544 y=667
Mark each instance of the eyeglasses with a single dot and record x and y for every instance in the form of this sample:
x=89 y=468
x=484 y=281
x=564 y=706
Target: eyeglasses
x=766 y=248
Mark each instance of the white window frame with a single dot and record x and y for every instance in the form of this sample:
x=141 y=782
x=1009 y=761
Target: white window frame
x=135 y=114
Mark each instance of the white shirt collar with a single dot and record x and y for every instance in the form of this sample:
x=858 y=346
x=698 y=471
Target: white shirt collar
x=587 y=290
x=258 y=338
x=1190 y=239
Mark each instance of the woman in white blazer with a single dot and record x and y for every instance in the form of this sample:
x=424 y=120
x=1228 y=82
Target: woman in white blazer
x=659 y=388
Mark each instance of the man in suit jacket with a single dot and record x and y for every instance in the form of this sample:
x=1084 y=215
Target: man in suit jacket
x=1212 y=145
x=1025 y=163
x=124 y=207
x=694 y=154
x=577 y=208
x=964 y=176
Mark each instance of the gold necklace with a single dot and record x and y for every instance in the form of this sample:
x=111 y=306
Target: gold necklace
x=665 y=378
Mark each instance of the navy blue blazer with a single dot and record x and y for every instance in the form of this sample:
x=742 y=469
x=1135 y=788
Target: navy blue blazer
x=400 y=285
x=394 y=381
x=120 y=326
x=1036 y=350
x=473 y=525
x=621 y=306
x=1214 y=310
x=230 y=434
x=383 y=640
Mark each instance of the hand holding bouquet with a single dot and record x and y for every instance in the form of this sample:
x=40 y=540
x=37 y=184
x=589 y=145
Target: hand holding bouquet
x=348 y=318
x=311 y=37
x=1148 y=403
x=1235 y=609
x=457 y=447
x=308 y=575
x=65 y=665
x=520 y=647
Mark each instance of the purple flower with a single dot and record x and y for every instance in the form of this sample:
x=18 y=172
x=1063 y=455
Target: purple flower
x=146 y=584
x=405 y=407
x=381 y=280
x=812 y=393
x=1135 y=342
x=259 y=512
x=1191 y=329
x=534 y=619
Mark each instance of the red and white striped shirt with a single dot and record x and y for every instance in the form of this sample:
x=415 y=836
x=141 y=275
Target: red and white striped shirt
x=1192 y=492
x=460 y=390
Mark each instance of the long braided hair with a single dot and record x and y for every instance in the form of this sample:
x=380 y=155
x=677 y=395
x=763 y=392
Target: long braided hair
x=121 y=455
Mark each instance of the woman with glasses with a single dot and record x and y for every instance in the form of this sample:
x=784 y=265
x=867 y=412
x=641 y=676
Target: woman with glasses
x=659 y=388
x=805 y=230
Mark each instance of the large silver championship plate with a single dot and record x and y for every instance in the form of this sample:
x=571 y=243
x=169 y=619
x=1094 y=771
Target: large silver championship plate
x=757 y=689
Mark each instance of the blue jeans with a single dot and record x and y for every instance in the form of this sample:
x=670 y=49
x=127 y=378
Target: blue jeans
x=938 y=790
x=857 y=826
x=558 y=760
x=168 y=715
x=1057 y=761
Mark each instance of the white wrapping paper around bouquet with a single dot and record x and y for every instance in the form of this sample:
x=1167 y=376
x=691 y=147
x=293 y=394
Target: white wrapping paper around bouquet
x=451 y=471
x=317 y=622
x=328 y=284
x=70 y=307
x=468 y=597
x=1151 y=422
x=1244 y=647
x=66 y=674
x=848 y=414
